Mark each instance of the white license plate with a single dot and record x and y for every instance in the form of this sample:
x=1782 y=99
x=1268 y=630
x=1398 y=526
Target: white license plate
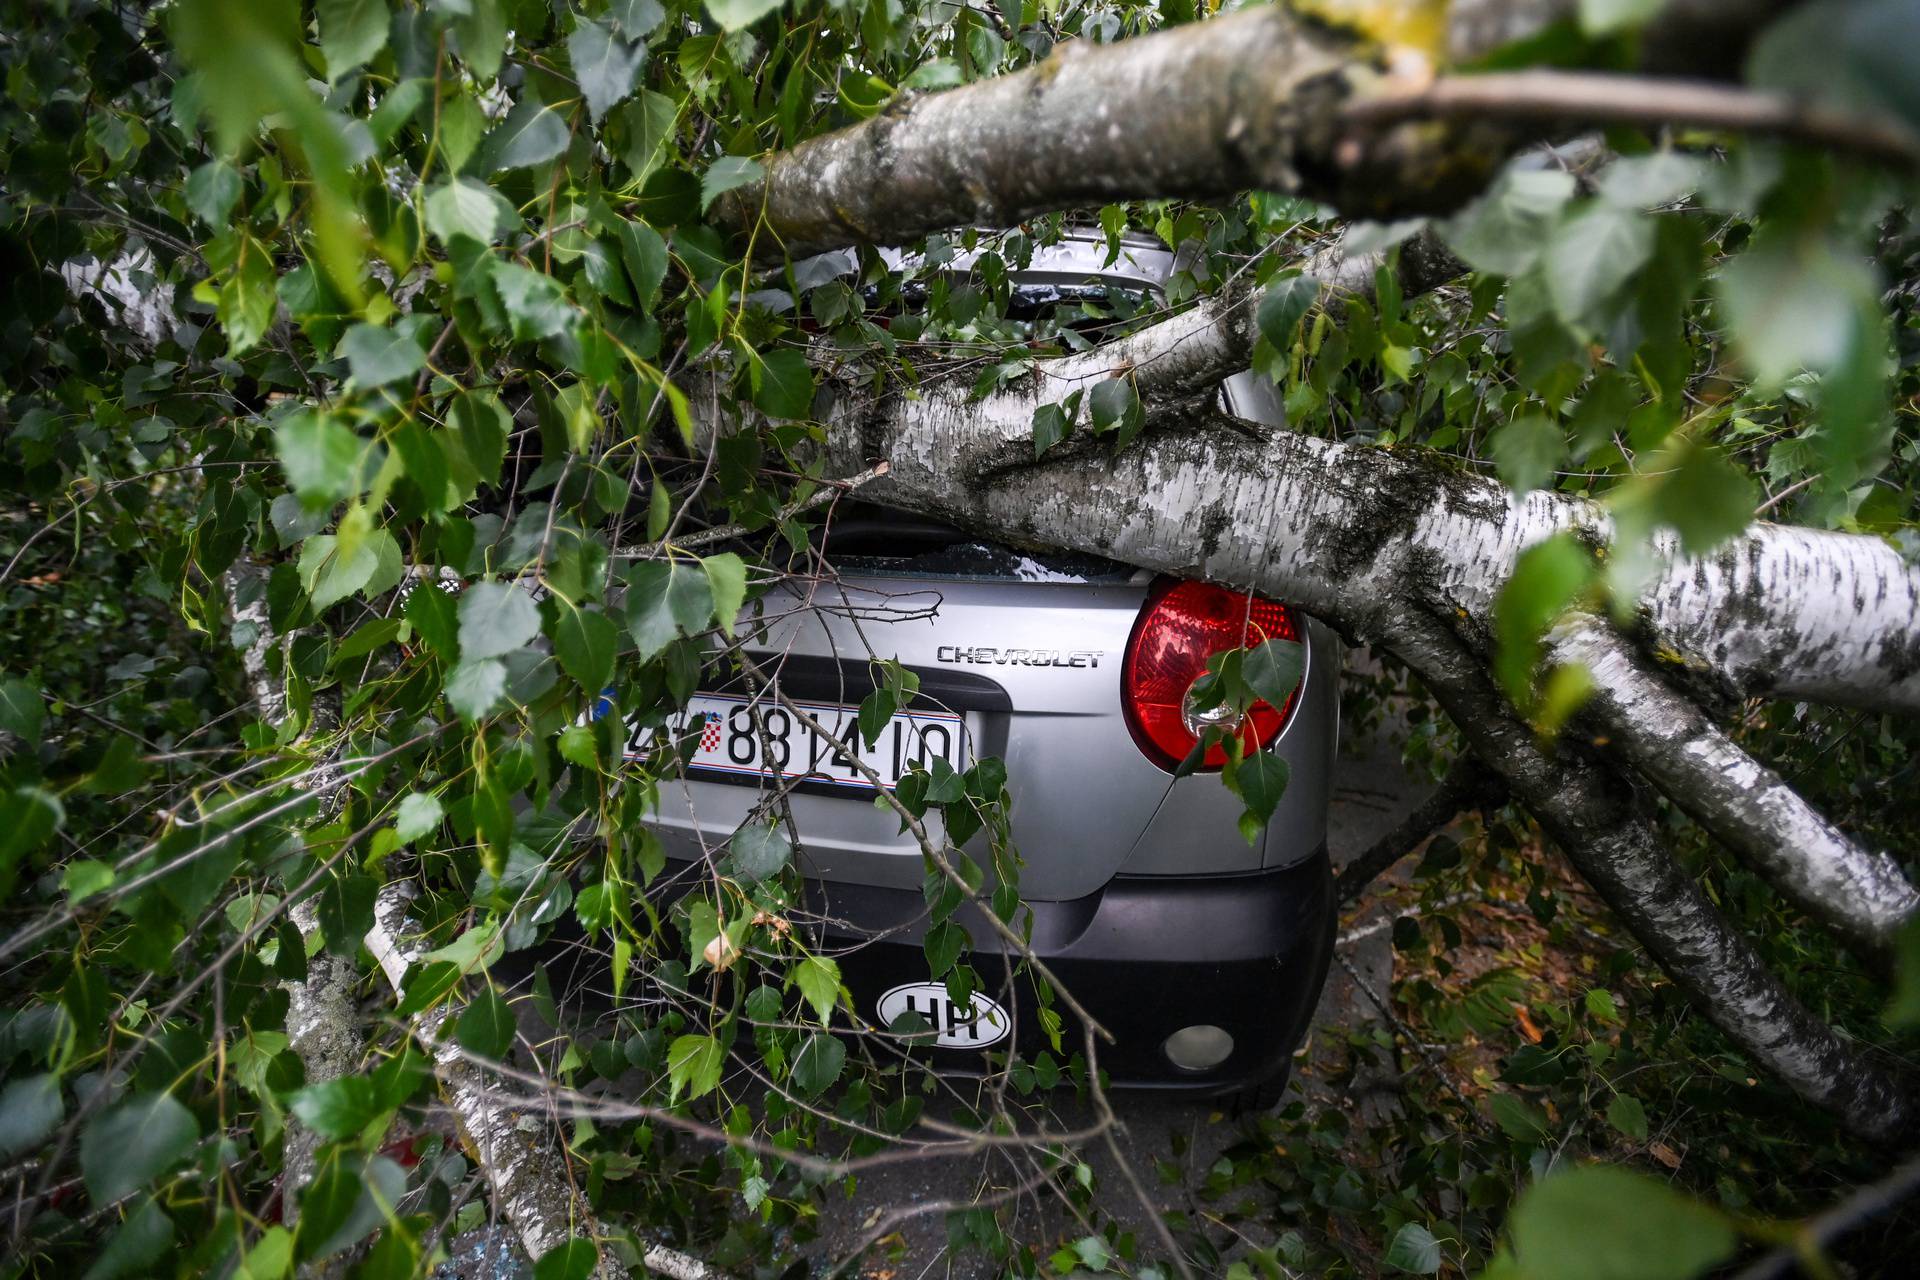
x=726 y=740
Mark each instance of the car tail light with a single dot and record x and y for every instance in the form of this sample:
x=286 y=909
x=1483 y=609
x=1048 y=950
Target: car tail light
x=1183 y=625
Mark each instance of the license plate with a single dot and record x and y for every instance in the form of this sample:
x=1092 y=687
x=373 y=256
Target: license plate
x=724 y=739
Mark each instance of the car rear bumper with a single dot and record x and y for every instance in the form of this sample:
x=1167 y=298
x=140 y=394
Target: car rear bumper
x=1147 y=956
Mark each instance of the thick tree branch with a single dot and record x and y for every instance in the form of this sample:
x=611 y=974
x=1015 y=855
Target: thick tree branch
x=1359 y=533
x=1266 y=101
x=1597 y=821
x=1746 y=805
x=527 y=1181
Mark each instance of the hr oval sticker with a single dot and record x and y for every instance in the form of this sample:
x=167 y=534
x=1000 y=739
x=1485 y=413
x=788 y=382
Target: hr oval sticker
x=956 y=1026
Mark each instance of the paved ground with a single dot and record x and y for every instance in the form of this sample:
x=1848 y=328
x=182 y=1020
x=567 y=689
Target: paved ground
x=1371 y=792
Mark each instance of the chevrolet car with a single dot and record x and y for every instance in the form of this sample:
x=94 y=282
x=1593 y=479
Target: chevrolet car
x=1202 y=952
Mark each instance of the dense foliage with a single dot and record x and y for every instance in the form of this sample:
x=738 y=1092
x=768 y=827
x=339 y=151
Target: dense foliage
x=350 y=382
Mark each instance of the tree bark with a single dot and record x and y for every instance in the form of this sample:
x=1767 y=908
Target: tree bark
x=1862 y=894
x=1360 y=533
x=1597 y=820
x=527 y=1176
x=1266 y=101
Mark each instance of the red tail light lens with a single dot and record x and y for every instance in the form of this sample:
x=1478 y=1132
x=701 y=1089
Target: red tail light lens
x=1182 y=625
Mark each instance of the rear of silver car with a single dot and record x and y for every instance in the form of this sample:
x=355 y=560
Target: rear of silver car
x=1202 y=952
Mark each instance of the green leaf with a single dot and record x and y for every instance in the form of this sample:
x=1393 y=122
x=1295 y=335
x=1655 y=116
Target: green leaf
x=432 y=613
x=337 y=1108
x=533 y=133
x=1518 y=1118
x=760 y=850
x=351 y=32
x=1857 y=54
x=585 y=641
x=348 y=1197
x=427 y=985
x=693 y=1066
x=1903 y=1006
x=496 y=618
x=818 y=978
x=1645 y=182
x=646 y=126
x=637 y=18
x=28 y=816
x=574 y=1260
x=378 y=356
x=1093 y=1253
x=1273 y=670
x=535 y=303
x=139 y=1243
x=1262 y=779
x=1604 y=17
x=732 y=15
x=666 y=600
x=818 y=1064
x=943 y=946
x=83 y=877
x=1113 y=404
x=482 y=31
x=320 y=456
x=419 y=814
x=604 y=65
x=129 y=1145
x=269 y=1257
x=474 y=689
x=22 y=713
x=1286 y=301
x=644 y=254
x=1050 y=426
x=1414 y=1250
x=727 y=580
x=1591 y=258
x=1547 y=577
x=1627 y=1115
x=1797 y=304
x=726 y=174
x=30 y=1110
x=346 y=911
x=486 y=1026
x=785 y=387
x=1526 y=452
x=1505 y=230
x=212 y=191
x=1598 y=1222
x=467 y=208
x=577 y=745
x=1705 y=499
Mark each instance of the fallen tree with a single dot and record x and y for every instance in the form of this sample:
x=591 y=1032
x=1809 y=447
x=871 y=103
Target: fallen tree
x=1394 y=548
x=514 y=300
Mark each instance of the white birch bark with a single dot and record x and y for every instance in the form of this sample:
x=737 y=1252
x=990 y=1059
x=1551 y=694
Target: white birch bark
x=322 y=1024
x=526 y=1173
x=1860 y=892
x=1593 y=815
x=1360 y=534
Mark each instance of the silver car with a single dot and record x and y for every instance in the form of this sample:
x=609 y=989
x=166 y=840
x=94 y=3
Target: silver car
x=1201 y=951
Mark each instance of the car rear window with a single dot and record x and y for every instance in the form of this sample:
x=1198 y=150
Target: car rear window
x=873 y=540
